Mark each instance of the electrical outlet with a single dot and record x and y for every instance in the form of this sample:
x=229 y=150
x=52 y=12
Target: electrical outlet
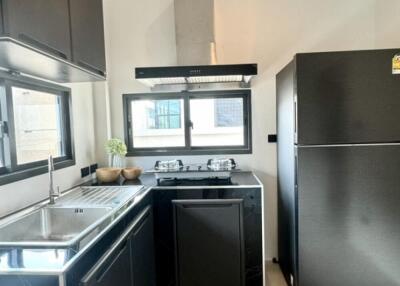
x=85 y=172
x=272 y=138
x=93 y=168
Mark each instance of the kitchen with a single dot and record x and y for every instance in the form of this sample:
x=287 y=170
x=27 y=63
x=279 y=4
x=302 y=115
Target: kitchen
x=144 y=34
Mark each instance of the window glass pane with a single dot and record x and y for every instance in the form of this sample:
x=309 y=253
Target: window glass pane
x=217 y=122
x=37 y=120
x=228 y=112
x=157 y=123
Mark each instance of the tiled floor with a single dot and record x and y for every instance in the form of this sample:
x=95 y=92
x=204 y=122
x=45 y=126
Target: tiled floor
x=274 y=275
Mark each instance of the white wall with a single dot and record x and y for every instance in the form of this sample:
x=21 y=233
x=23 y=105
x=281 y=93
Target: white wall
x=27 y=192
x=268 y=32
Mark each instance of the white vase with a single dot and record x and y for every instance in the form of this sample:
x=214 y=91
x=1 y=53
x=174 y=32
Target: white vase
x=117 y=161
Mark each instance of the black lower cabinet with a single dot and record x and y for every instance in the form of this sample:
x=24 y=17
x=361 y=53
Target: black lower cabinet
x=142 y=253
x=209 y=242
x=208 y=237
x=125 y=263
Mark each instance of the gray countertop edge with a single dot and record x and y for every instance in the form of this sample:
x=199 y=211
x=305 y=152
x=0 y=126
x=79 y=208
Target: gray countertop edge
x=240 y=179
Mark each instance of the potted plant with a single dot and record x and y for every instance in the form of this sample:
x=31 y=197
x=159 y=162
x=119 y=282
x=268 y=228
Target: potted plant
x=117 y=150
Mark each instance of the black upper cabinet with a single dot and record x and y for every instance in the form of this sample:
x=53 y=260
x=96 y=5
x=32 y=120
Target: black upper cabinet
x=42 y=24
x=58 y=40
x=87 y=30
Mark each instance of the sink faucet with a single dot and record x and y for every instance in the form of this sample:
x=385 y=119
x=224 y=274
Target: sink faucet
x=52 y=193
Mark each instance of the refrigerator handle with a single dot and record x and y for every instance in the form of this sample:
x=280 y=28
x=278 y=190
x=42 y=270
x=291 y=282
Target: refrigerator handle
x=295 y=118
x=296 y=161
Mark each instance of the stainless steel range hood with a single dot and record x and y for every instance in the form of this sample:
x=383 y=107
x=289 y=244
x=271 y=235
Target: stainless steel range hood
x=197 y=57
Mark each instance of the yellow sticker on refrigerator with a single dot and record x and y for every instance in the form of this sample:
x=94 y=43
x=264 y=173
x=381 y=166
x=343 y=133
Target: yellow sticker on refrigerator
x=396 y=64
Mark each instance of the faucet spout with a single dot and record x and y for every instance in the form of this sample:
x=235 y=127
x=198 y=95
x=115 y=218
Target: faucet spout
x=52 y=193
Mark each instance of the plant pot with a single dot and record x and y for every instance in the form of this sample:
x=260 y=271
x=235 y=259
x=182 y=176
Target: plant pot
x=108 y=175
x=131 y=173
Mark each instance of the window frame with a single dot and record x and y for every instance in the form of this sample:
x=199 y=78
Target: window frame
x=13 y=171
x=188 y=149
x=3 y=169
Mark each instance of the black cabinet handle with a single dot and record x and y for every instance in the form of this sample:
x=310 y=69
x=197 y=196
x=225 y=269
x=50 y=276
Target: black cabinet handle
x=100 y=274
x=104 y=264
x=140 y=223
x=295 y=116
x=42 y=46
x=207 y=203
x=91 y=68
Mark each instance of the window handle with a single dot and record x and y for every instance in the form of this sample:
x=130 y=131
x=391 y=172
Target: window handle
x=190 y=124
x=3 y=128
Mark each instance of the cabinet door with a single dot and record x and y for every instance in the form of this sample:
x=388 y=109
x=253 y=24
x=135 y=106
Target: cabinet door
x=87 y=30
x=142 y=252
x=347 y=97
x=43 y=24
x=114 y=269
x=209 y=242
x=348 y=214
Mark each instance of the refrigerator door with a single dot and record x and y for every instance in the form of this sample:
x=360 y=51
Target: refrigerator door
x=349 y=216
x=347 y=97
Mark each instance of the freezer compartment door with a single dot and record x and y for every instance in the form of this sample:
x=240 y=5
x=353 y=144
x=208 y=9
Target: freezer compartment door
x=347 y=97
x=349 y=216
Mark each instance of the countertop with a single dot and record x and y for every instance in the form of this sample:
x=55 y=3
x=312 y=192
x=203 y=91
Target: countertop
x=57 y=261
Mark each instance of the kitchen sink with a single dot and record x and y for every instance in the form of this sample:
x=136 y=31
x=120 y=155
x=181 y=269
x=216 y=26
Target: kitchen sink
x=53 y=226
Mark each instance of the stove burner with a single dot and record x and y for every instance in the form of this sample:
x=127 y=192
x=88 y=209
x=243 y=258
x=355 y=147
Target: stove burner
x=221 y=164
x=173 y=165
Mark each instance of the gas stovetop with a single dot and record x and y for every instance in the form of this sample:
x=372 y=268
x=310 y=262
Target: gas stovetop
x=195 y=182
x=215 y=171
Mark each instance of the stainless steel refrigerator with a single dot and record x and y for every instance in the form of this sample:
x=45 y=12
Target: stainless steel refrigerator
x=338 y=127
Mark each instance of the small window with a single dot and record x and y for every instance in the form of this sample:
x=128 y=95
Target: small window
x=35 y=123
x=38 y=125
x=188 y=123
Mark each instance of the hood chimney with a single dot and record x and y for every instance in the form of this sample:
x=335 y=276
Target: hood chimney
x=195 y=36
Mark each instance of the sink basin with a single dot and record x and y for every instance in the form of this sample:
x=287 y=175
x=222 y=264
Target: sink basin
x=53 y=226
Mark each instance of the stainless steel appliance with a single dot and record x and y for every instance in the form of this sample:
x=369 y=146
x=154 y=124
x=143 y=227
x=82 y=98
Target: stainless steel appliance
x=339 y=165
